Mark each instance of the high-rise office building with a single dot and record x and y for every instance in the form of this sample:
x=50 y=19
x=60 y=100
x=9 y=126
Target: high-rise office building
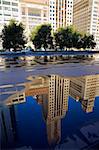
x=33 y=13
x=60 y=13
x=52 y=14
x=85 y=89
x=64 y=13
x=9 y=9
x=86 y=17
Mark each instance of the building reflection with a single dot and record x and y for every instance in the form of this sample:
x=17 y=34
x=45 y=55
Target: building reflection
x=8 y=134
x=85 y=89
x=52 y=92
x=57 y=106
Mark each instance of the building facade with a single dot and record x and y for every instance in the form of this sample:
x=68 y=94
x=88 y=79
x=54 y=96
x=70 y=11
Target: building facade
x=33 y=13
x=52 y=13
x=64 y=13
x=86 y=17
x=9 y=9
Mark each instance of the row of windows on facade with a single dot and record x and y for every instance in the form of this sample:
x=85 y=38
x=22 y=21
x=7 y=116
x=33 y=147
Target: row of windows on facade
x=35 y=14
x=68 y=11
x=61 y=6
x=32 y=19
x=52 y=93
x=9 y=3
x=9 y=15
x=52 y=2
x=8 y=9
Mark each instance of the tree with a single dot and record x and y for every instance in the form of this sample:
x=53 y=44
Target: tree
x=66 y=38
x=71 y=38
x=88 y=41
x=41 y=37
x=59 y=38
x=13 y=36
x=77 y=40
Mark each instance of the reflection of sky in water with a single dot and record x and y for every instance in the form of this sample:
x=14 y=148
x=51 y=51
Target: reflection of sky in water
x=4 y=97
x=77 y=118
x=31 y=126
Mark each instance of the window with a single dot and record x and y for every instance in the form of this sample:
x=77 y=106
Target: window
x=14 y=4
x=15 y=9
x=7 y=8
x=6 y=3
x=7 y=15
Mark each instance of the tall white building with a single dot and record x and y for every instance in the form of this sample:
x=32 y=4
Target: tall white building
x=64 y=13
x=86 y=17
x=9 y=9
x=60 y=13
x=52 y=13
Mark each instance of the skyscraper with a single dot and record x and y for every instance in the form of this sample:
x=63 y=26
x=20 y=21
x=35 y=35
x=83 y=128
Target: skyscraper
x=52 y=13
x=9 y=9
x=64 y=13
x=86 y=17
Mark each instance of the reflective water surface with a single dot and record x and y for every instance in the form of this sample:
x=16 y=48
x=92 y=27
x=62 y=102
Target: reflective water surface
x=51 y=111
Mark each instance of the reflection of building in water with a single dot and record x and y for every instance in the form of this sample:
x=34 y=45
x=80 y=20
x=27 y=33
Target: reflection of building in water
x=85 y=89
x=97 y=86
x=58 y=97
x=17 y=98
x=7 y=126
x=54 y=131
x=57 y=105
x=38 y=86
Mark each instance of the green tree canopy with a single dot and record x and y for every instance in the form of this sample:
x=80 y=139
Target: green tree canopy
x=71 y=38
x=88 y=41
x=64 y=37
x=41 y=37
x=13 y=36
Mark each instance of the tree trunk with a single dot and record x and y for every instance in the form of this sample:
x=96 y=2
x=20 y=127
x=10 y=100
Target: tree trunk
x=14 y=49
x=45 y=59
